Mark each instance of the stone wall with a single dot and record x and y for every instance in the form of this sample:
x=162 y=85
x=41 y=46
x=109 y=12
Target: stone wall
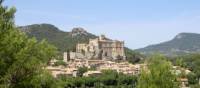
x=102 y=47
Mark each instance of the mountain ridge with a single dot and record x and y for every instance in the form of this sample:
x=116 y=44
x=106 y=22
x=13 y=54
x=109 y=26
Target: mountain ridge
x=183 y=43
x=64 y=41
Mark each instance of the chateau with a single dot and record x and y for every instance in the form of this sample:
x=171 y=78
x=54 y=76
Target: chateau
x=100 y=48
x=104 y=47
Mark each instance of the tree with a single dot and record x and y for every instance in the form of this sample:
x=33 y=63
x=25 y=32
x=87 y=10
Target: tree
x=192 y=79
x=158 y=74
x=81 y=71
x=109 y=77
x=192 y=62
x=44 y=80
x=126 y=79
x=60 y=62
x=21 y=59
x=179 y=62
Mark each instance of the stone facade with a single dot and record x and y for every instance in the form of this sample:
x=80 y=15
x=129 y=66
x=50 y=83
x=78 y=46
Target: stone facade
x=65 y=57
x=103 y=48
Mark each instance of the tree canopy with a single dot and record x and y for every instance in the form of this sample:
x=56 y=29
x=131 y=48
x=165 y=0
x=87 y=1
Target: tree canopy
x=22 y=59
x=158 y=74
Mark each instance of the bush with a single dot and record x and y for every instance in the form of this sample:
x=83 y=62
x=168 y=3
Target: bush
x=60 y=62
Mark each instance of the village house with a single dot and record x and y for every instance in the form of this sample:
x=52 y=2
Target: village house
x=100 y=54
x=60 y=70
x=92 y=73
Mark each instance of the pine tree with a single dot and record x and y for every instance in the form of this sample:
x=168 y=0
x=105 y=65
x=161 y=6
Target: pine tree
x=21 y=59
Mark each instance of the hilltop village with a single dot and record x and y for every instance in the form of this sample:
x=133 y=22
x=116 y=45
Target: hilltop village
x=101 y=54
x=43 y=56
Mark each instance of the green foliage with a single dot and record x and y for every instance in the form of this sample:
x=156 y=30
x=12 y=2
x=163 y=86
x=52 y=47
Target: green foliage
x=60 y=62
x=89 y=81
x=64 y=41
x=126 y=79
x=192 y=62
x=158 y=74
x=179 y=62
x=43 y=80
x=192 y=79
x=109 y=78
x=133 y=56
x=92 y=68
x=21 y=58
x=195 y=86
x=81 y=71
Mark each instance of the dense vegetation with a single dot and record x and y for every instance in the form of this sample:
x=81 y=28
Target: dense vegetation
x=192 y=62
x=109 y=79
x=134 y=56
x=158 y=74
x=21 y=58
x=64 y=41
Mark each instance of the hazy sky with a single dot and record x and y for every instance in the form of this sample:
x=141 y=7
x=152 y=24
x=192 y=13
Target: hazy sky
x=137 y=22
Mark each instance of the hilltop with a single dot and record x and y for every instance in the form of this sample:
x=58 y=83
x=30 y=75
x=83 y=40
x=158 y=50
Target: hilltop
x=66 y=41
x=183 y=43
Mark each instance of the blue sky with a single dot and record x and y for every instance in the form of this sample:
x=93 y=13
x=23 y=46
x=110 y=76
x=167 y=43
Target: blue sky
x=138 y=22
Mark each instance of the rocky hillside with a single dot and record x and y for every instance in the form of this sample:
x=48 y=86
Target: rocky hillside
x=183 y=43
x=64 y=41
